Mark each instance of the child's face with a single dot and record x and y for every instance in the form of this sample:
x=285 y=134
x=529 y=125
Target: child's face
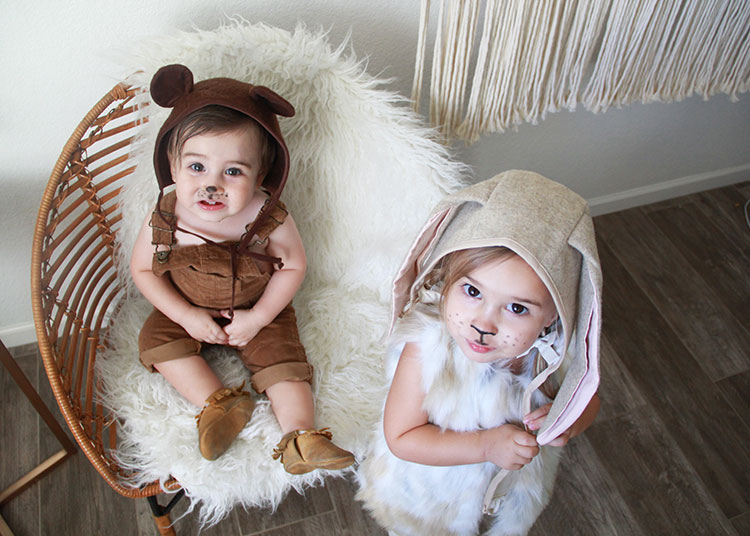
x=217 y=173
x=498 y=310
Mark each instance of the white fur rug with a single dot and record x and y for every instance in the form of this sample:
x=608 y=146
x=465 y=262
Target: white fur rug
x=364 y=175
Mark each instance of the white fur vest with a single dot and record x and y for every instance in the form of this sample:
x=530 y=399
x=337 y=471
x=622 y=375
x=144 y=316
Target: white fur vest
x=413 y=499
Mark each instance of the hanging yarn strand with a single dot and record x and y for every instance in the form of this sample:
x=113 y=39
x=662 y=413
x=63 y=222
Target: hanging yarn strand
x=436 y=99
x=545 y=79
x=620 y=36
x=493 y=85
x=451 y=62
x=532 y=62
x=542 y=56
x=554 y=90
x=589 y=19
x=467 y=23
x=664 y=51
x=470 y=127
x=734 y=35
x=447 y=61
x=702 y=38
x=738 y=73
x=416 y=88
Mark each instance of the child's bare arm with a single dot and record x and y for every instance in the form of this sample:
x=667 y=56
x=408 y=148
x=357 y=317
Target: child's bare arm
x=535 y=420
x=412 y=437
x=286 y=243
x=198 y=322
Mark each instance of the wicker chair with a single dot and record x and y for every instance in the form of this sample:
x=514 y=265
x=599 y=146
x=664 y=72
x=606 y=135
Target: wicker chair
x=348 y=136
x=74 y=285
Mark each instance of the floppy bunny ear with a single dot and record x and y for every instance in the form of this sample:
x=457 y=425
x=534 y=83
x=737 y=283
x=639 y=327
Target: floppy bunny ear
x=170 y=83
x=410 y=269
x=275 y=102
x=582 y=378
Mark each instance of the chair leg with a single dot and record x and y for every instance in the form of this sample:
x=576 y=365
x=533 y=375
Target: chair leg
x=164 y=525
x=161 y=513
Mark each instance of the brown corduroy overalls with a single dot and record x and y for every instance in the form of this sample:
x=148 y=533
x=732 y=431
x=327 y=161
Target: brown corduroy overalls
x=202 y=274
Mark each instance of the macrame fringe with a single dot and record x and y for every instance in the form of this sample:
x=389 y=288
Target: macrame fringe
x=450 y=62
x=416 y=88
x=541 y=56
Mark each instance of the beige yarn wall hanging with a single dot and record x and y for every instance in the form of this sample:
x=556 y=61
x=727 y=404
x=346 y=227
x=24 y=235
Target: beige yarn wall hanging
x=533 y=57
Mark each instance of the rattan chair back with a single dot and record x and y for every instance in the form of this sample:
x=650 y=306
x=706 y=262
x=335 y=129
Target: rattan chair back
x=74 y=284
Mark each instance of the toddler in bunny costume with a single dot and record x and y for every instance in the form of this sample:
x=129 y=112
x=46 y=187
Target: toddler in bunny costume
x=502 y=279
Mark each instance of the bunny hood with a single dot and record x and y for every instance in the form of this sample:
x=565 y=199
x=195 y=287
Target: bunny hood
x=549 y=226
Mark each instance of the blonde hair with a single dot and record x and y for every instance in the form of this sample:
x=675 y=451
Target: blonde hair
x=457 y=264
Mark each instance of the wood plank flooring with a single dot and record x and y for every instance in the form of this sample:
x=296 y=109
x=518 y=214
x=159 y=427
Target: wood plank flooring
x=668 y=454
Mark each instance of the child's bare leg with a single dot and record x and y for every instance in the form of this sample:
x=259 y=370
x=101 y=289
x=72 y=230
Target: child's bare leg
x=303 y=448
x=192 y=377
x=223 y=416
x=292 y=403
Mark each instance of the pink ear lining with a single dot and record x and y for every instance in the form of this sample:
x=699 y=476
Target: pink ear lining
x=409 y=270
x=586 y=387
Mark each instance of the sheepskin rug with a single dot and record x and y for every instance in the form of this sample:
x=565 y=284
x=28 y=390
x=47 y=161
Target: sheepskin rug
x=364 y=175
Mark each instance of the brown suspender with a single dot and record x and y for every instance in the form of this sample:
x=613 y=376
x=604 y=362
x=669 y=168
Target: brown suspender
x=164 y=225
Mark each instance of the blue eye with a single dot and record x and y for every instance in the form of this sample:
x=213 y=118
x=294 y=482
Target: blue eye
x=196 y=166
x=233 y=172
x=471 y=291
x=516 y=308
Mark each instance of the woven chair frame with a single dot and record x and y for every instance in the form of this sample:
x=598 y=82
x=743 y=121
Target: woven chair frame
x=74 y=285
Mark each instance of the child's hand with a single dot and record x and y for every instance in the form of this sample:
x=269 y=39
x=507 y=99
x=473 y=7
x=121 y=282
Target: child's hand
x=244 y=326
x=509 y=447
x=535 y=420
x=200 y=325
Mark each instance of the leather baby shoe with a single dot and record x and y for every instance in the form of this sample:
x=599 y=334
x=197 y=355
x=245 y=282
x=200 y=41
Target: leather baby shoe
x=302 y=451
x=225 y=414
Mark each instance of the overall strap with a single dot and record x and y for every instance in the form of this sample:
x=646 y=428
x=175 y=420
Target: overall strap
x=163 y=225
x=269 y=218
x=271 y=215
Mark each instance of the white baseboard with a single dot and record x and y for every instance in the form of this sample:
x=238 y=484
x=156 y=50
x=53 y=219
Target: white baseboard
x=18 y=334
x=668 y=189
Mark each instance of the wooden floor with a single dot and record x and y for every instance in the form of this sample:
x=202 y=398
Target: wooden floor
x=668 y=454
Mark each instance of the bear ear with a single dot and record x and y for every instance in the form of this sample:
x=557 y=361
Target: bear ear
x=170 y=83
x=275 y=102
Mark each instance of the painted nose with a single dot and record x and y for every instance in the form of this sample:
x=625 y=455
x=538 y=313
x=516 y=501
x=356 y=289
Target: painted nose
x=482 y=333
x=213 y=190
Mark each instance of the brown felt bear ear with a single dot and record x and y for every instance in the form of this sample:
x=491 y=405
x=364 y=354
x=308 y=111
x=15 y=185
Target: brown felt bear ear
x=170 y=83
x=275 y=102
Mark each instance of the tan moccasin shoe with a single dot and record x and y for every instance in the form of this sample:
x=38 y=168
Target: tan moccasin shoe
x=225 y=414
x=302 y=451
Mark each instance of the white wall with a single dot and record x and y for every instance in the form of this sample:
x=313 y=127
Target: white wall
x=55 y=60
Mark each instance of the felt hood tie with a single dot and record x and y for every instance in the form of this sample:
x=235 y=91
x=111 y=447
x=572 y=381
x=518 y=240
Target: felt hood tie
x=549 y=226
